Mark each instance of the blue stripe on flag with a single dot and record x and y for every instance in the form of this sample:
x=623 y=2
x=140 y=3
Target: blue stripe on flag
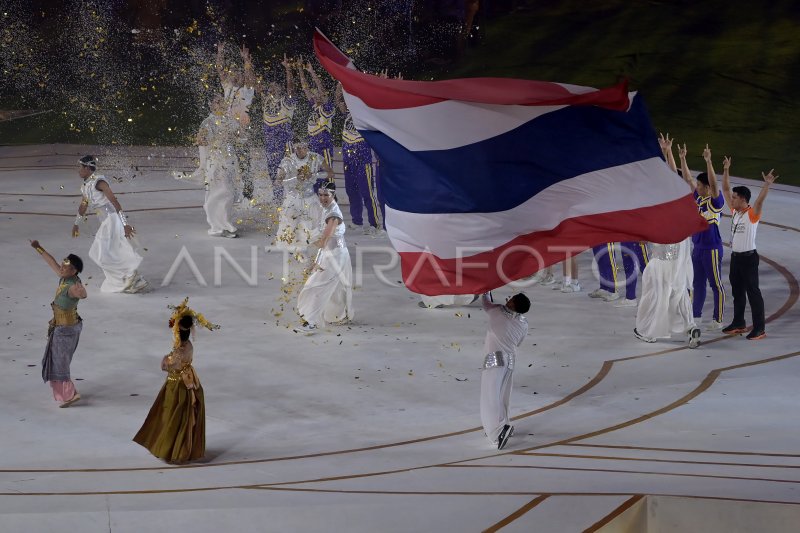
x=503 y=172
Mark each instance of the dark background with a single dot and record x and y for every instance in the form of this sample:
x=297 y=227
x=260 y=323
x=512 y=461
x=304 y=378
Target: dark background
x=726 y=73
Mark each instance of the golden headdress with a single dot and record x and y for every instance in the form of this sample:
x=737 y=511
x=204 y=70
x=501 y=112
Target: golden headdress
x=182 y=310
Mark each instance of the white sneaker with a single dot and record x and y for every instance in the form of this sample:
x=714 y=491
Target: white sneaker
x=230 y=234
x=351 y=225
x=548 y=279
x=536 y=278
x=573 y=286
x=598 y=293
x=626 y=303
x=307 y=329
x=714 y=326
x=610 y=296
x=135 y=283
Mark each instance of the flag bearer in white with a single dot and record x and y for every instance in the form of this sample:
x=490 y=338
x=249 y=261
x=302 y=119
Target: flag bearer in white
x=507 y=329
x=111 y=249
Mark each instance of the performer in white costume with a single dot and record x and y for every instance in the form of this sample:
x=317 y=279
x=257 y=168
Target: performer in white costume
x=296 y=174
x=327 y=295
x=238 y=87
x=507 y=329
x=216 y=141
x=665 y=306
x=111 y=249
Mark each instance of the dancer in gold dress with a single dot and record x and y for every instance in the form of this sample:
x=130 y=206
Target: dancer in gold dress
x=175 y=429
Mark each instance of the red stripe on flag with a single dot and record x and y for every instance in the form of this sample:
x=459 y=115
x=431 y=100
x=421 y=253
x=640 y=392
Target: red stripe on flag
x=427 y=274
x=382 y=93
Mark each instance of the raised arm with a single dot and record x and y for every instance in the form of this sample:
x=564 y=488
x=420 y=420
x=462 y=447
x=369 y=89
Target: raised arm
x=219 y=63
x=726 y=180
x=317 y=82
x=249 y=74
x=290 y=85
x=201 y=139
x=666 y=148
x=103 y=187
x=304 y=84
x=51 y=262
x=769 y=179
x=338 y=98
x=686 y=174
x=712 y=177
x=487 y=303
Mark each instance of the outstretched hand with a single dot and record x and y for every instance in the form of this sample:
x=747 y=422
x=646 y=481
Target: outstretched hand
x=664 y=142
x=770 y=177
x=726 y=163
x=707 y=153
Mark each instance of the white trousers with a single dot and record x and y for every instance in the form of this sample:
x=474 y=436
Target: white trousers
x=496 y=384
x=327 y=295
x=664 y=305
x=220 y=173
x=113 y=253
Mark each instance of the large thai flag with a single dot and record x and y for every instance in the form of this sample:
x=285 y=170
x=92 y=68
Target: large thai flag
x=487 y=180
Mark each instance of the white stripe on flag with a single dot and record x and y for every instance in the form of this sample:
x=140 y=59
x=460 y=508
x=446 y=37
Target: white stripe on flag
x=443 y=125
x=630 y=186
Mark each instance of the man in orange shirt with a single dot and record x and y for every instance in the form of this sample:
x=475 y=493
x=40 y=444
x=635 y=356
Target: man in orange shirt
x=744 y=257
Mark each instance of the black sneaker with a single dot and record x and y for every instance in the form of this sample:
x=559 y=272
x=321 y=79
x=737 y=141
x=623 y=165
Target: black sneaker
x=756 y=335
x=505 y=434
x=694 y=338
x=734 y=329
x=642 y=337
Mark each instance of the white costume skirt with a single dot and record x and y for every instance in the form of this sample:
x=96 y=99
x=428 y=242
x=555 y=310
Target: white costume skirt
x=327 y=295
x=114 y=253
x=496 y=384
x=295 y=224
x=218 y=206
x=664 y=305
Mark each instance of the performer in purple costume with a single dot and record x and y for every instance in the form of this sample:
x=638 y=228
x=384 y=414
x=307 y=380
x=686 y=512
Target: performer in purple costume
x=319 y=120
x=278 y=112
x=607 y=269
x=359 y=179
x=378 y=189
x=634 y=259
x=707 y=251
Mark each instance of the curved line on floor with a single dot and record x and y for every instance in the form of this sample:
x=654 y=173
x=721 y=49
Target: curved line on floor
x=704 y=385
x=794 y=294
